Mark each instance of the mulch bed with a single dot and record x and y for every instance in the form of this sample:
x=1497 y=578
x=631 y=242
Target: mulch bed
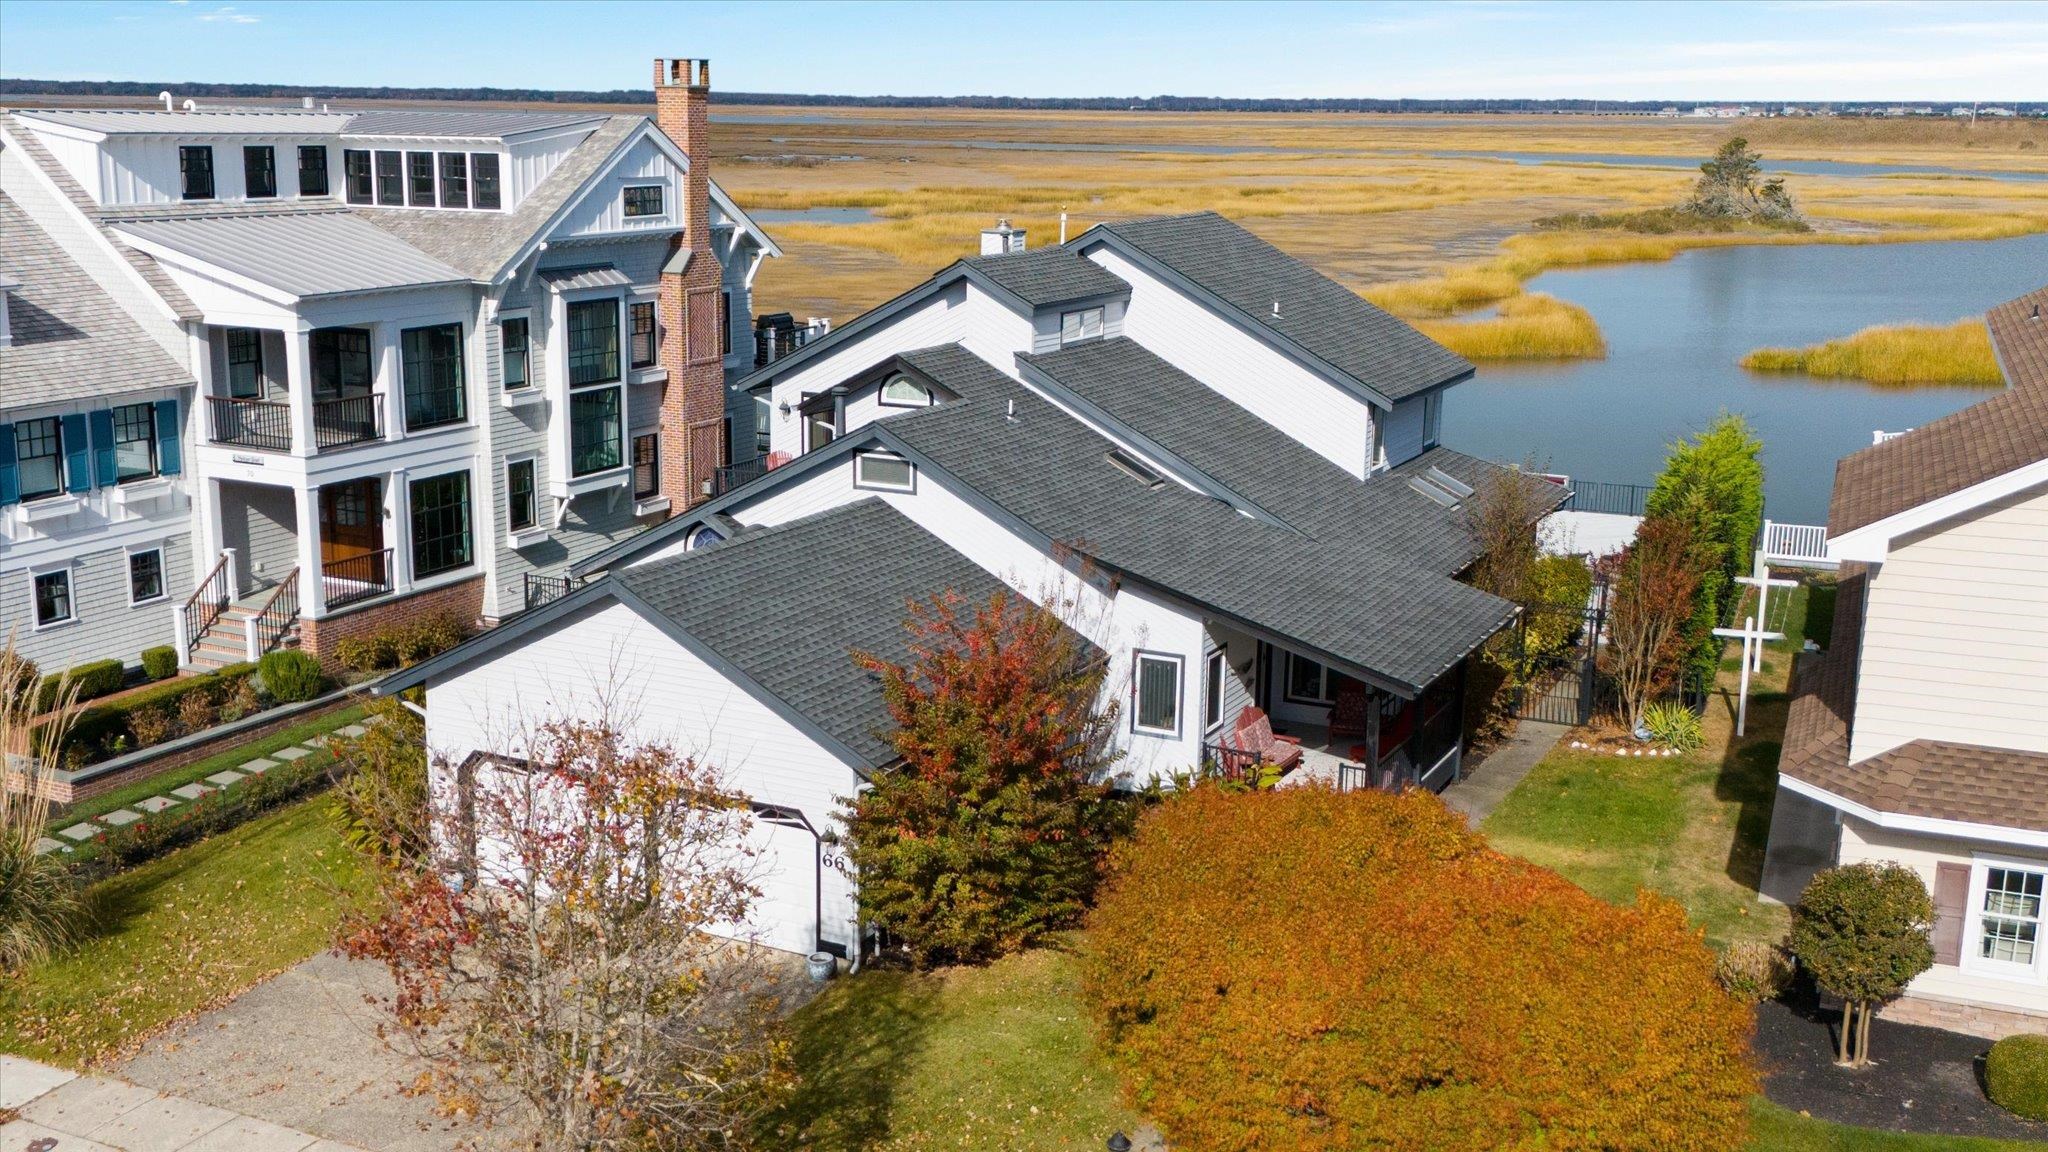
x=1920 y=1079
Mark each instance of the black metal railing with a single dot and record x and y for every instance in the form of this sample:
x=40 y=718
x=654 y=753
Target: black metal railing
x=772 y=344
x=206 y=604
x=357 y=578
x=541 y=590
x=248 y=423
x=278 y=614
x=1600 y=496
x=731 y=476
x=348 y=420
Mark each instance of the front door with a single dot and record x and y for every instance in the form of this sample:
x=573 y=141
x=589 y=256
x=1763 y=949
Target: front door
x=352 y=528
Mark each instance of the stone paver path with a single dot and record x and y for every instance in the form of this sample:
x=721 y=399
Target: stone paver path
x=65 y=1112
x=190 y=791
x=258 y=767
x=120 y=817
x=292 y=753
x=351 y=731
x=45 y=846
x=223 y=779
x=80 y=832
x=156 y=804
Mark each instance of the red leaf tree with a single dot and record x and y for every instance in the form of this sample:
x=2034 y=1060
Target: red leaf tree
x=1656 y=586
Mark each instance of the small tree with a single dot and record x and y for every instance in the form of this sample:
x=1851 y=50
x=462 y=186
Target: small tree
x=1863 y=931
x=990 y=833
x=560 y=953
x=1505 y=518
x=1714 y=482
x=39 y=904
x=1732 y=186
x=380 y=792
x=1654 y=585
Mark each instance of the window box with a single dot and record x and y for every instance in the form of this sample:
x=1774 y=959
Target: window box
x=526 y=538
x=521 y=397
x=49 y=508
x=138 y=493
x=650 y=506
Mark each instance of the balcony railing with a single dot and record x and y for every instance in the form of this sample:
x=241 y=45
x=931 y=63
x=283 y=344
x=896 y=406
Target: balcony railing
x=1599 y=496
x=541 y=590
x=248 y=423
x=348 y=420
x=733 y=475
x=774 y=342
x=357 y=578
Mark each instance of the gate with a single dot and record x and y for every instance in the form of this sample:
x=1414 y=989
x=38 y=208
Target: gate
x=1554 y=656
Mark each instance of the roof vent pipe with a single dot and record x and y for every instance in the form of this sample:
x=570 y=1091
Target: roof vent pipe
x=1001 y=239
x=306 y=102
x=1011 y=415
x=191 y=105
x=165 y=96
x=1276 y=309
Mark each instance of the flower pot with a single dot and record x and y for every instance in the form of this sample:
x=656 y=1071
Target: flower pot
x=821 y=966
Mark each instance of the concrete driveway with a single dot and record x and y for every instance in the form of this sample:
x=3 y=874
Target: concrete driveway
x=61 y=1111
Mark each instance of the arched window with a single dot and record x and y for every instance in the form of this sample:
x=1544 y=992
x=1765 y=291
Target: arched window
x=903 y=392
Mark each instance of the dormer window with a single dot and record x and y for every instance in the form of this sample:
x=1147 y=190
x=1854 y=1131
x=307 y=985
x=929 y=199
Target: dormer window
x=419 y=179
x=454 y=180
x=195 y=169
x=1081 y=324
x=391 y=179
x=259 y=171
x=483 y=167
x=642 y=200
x=903 y=392
x=313 y=170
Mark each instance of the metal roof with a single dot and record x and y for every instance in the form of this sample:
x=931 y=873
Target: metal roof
x=468 y=124
x=70 y=340
x=303 y=254
x=585 y=276
x=118 y=121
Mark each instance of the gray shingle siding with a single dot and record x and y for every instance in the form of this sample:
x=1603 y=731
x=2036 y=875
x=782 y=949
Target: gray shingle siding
x=260 y=523
x=105 y=625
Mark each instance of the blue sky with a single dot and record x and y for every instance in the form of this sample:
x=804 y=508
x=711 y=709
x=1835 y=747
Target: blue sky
x=1756 y=49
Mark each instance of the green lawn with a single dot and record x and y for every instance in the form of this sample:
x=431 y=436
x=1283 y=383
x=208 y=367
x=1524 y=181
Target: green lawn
x=182 y=931
x=994 y=1058
x=199 y=770
x=1774 y=1129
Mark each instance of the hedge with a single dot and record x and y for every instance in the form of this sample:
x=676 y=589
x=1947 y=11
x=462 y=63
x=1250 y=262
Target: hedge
x=2016 y=1075
x=94 y=680
x=1303 y=969
x=218 y=811
x=99 y=726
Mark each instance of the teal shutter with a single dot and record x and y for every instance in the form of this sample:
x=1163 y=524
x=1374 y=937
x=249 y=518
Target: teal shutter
x=10 y=480
x=103 y=468
x=167 y=438
x=77 y=455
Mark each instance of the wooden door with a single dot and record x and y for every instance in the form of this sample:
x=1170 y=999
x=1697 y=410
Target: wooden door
x=352 y=522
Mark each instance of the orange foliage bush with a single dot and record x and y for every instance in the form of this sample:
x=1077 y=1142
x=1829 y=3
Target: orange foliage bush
x=1299 y=969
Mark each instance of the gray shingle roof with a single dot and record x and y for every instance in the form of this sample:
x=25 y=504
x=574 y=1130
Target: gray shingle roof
x=306 y=254
x=482 y=243
x=71 y=341
x=1318 y=315
x=1136 y=388
x=1365 y=604
x=789 y=605
x=1047 y=276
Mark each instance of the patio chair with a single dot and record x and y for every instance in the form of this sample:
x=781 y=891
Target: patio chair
x=1255 y=736
x=1349 y=711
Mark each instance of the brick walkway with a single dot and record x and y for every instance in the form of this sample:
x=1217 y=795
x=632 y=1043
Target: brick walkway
x=61 y=1111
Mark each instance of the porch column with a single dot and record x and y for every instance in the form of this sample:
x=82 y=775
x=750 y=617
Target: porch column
x=312 y=589
x=388 y=375
x=398 y=528
x=298 y=376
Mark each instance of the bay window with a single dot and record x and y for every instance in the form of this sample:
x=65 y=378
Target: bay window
x=596 y=431
x=593 y=342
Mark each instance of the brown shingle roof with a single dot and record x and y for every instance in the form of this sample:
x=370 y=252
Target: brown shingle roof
x=1983 y=441
x=1938 y=779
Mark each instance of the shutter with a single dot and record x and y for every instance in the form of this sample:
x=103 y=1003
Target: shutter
x=1951 y=903
x=10 y=480
x=77 y=455
x=168 y=438
x=103 y=467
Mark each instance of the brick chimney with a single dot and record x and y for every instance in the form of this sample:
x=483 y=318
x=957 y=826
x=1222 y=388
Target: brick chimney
x=693 y=401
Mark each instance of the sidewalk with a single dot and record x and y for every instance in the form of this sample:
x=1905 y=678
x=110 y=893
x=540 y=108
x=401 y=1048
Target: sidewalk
x=1481 y=789
x=62 y=1111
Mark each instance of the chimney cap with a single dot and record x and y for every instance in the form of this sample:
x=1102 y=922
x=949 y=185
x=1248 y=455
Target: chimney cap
x=682 y=72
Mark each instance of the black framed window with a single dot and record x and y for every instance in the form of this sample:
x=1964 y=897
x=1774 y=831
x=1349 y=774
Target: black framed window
x=1307 y=681
x=514 y=352
x=341 y=362
x=419 y=179
x=642 y=200
x=433 y=376
x=134 y=442
x=145 y=576
x=391 y=179
x=245 y=363
x=596 y=434
x=483 y=166
x=646 y=466
x=642 y=314
x=312 y=169
x=454 y=179
x=259 y=171
x=355 y=176
x=593 y=342
x=520 y=513
x=1155 y=685
x=195 y=171
x=39 y=456
x=440 y=524
x=53 y=597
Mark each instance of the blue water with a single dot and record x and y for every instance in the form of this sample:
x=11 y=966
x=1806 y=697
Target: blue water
x=1692 y=164
x=1675 y=331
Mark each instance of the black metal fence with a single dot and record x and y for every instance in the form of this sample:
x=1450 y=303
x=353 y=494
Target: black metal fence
x=539 y=590
x=1601 y=496
x=1556 y=660
x=357 y=578
x=348 y=420
x=247 y=423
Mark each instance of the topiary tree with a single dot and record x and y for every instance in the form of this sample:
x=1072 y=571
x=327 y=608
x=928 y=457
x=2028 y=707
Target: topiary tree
x=2016 y=1076
x=1303 y=969
x=1863 y=931
x=991 y=832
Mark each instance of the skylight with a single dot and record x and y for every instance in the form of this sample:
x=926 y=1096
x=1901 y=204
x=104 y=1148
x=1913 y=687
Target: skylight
x=1442 y=496
x=1129 y=466
x=1449 y=483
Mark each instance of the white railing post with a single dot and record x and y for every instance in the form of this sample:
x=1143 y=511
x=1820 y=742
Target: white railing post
x=232 y=572
x=250 y=630
x=178 y=636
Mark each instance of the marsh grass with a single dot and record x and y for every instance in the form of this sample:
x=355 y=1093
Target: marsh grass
x=1532 y=327
x=1895 y=355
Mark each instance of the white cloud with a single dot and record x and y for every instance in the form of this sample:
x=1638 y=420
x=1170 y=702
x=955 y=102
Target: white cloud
x=228 y=14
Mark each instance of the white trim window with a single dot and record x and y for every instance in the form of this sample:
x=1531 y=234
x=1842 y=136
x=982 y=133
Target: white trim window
x=515 y=352
x=2007 y=917
x=883 y=472
x=902 y=392
x=146 y=575
x=50 y=590
x=637 y=201
x=1080 y=324
x=1212 y=691
x=1155 y=693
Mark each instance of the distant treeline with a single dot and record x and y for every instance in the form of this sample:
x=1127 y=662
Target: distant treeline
x=22 y=87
